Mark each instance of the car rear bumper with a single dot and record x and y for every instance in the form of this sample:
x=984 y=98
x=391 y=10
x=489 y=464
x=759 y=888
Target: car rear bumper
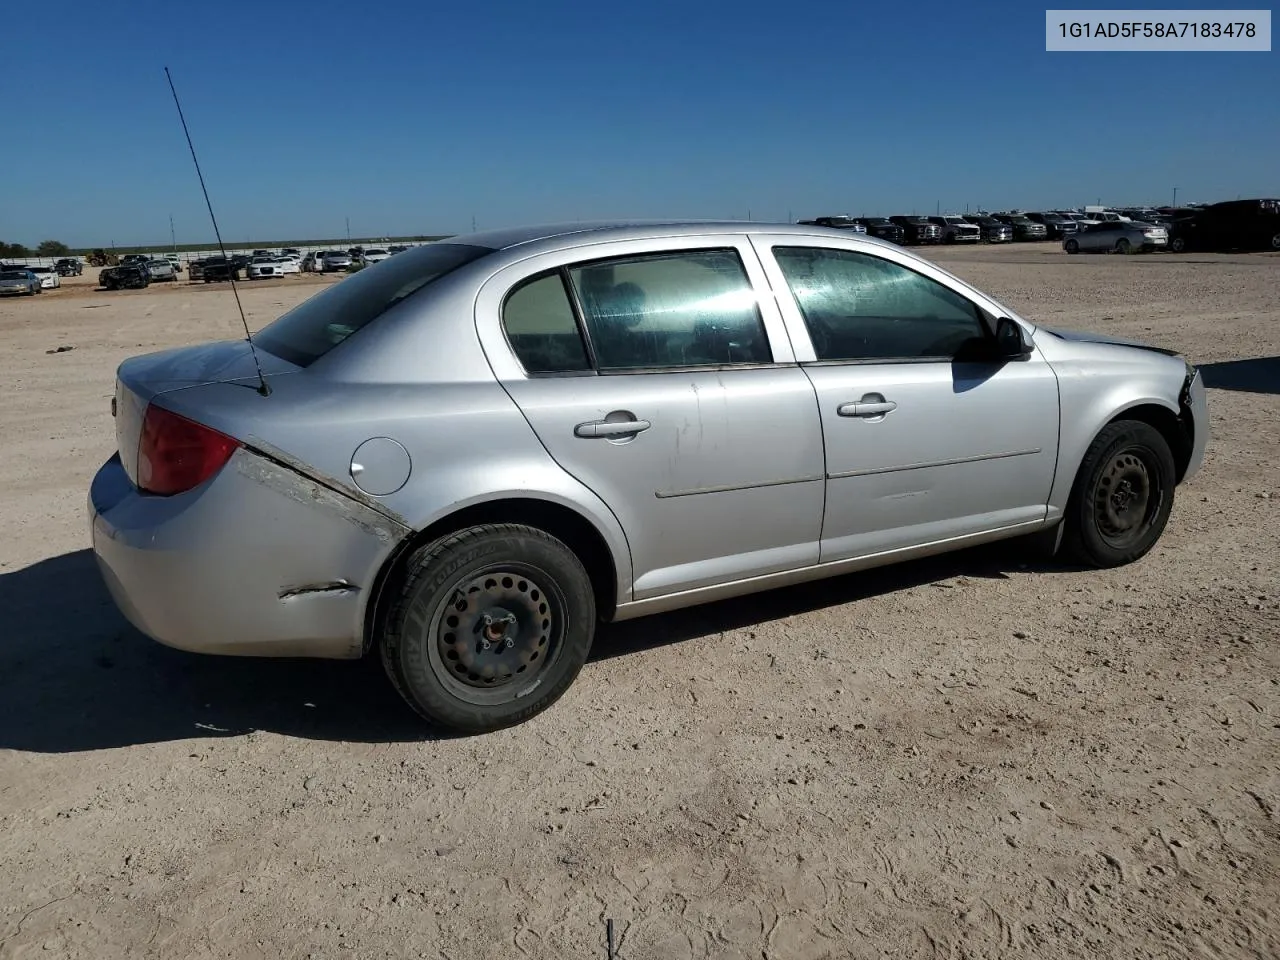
x=258 y=561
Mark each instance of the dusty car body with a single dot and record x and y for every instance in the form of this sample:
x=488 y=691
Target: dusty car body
x=48 y=277
x=466 y=456
x=161 y=269
x=1117 y=236
x=19 y=280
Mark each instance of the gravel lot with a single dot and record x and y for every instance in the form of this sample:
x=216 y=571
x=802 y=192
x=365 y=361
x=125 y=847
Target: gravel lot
x=973 y=756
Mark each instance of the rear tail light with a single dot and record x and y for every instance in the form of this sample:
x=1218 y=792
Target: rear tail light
x=176 y=454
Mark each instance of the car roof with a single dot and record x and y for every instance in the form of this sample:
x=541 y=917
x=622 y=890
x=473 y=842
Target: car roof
x=506 y=238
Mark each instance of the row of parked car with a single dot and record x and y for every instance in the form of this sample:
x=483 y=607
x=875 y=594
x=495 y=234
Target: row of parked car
x=1230 y=225
x=17 y=278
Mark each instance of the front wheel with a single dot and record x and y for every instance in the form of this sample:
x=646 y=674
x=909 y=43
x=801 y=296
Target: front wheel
x=1122 y=245
x=1177 y=244
x=1122 y=496
x=1275 y=242
x=1073 y=246
x=489 y=627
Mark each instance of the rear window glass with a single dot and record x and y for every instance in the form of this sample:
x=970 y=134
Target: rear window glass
x=316 y=326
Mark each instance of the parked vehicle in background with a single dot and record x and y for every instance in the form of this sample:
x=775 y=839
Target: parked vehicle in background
x=101 y=258
x=215 y=269
x=174 y=261
x=161 y=269
x=956 y=229
x=1117 y=236
x=261 y=253
x=1024 y=228
x=69 y=267
x=837 y=223
x=48 y=277
x=1056 y=226
x=289 y=264
x=311 y=263
x=134 y=258
x=882 y=228
x=19 y=281
x=263 y=267
x=397 y=248
x=291 y=252
x=333 y=261
x=918 y=230
x=993 y=230
x=126 y=276
x=373 y=255
x=1230 y=225
x=1104 y=215
x=331 y=518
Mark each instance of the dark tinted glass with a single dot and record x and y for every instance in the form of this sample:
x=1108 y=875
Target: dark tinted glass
x=540 y=325
x=313 y=328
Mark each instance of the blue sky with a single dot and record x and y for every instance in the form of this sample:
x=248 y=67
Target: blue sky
x=417 y=117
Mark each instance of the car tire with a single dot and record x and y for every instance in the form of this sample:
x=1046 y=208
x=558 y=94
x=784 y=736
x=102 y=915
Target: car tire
x=1072 y=246
x=1123 y=245
x=1177 y=245
x=461 y=672
x=1122 y=496
x=1275 y=242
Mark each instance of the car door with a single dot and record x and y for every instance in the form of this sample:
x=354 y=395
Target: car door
x=655 y=373
x=929 y=437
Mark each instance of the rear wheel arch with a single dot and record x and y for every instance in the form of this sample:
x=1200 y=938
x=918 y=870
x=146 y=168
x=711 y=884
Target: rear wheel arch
x=1177 y=431
x=573 y=529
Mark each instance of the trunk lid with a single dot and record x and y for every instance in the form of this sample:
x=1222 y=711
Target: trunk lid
x=139 y=380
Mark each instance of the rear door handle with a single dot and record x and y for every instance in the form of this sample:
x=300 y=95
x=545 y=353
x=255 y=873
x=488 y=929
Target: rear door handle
x=610 y=428
x=866 y=408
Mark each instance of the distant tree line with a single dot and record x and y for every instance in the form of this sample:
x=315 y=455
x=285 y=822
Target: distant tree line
x=47 y=248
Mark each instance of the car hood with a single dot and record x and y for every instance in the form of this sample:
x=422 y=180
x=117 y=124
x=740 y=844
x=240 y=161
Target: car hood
x=1080 y=336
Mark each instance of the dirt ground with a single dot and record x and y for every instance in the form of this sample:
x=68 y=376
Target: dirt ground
x=972 y=756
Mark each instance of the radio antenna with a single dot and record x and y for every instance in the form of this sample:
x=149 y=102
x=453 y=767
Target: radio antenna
x=231 y=273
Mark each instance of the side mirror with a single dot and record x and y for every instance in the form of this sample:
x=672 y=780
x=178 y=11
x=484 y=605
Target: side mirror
x=1011 y=341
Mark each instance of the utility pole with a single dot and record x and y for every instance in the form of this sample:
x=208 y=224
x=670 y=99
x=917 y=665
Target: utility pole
x=473 y=223
x=938 y=210
x=173 y=239
x=1175 y=198
x=748 y=213
x=788 y=216
x=348 y=229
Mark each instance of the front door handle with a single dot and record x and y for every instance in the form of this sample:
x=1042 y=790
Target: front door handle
x=866 y=408
x=610 y=428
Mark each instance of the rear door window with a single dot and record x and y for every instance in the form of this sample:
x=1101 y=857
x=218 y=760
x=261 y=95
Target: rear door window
x=678 y=309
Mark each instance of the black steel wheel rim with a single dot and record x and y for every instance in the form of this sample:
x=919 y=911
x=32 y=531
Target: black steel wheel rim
x=1126 y=498
x=496 y=633
x=1122 y=245
x=1275 y=242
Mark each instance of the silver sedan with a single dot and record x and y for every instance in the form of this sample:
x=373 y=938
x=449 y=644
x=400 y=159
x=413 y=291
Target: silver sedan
x=1117 y=236
x=467 y=456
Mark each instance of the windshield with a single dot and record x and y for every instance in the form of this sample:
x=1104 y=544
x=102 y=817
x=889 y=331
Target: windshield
x=960 y=220
x=12 y=275
x=316 y=326
x=380 y=253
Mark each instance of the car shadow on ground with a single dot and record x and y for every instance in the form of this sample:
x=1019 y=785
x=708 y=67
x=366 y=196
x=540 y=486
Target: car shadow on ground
x=1258 y=375
x=74 y=675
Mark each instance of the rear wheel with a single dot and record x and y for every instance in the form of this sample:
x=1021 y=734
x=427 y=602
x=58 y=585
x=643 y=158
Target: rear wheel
x=1122 y=496
x=489 y=627
x=1072 y=246
x=1177 y=244
x=1122 y=245
x=1275 y=242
